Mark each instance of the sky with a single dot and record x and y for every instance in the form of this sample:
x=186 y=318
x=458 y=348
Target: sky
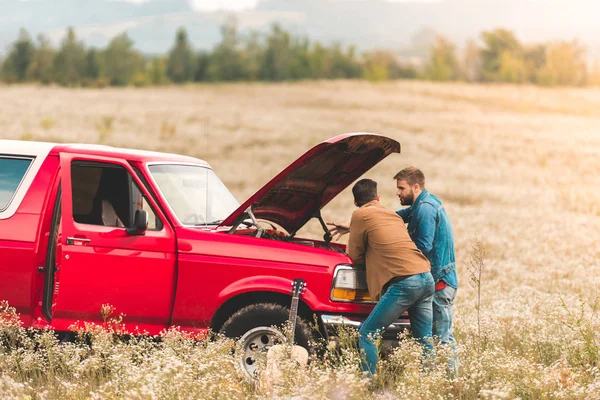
x=237 y=5
x=213 y=5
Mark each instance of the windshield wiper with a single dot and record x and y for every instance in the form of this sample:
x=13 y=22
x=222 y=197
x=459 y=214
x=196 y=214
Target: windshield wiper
x=217 y=222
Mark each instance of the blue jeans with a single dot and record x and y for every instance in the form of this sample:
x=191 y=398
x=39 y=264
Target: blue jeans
x=443 y=303
x=415 y=295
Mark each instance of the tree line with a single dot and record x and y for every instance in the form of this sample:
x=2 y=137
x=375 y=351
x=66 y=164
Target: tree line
x=279 y=55
x=502 y=58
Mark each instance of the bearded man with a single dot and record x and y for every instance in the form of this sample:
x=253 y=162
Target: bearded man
x=430 y=229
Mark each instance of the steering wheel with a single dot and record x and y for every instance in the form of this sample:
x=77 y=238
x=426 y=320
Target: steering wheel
x=197 y=219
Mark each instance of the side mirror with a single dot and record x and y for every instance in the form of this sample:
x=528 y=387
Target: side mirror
x=140 y=223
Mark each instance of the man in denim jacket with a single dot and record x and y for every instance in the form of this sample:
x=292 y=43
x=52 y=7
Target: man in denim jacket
x=430 y=229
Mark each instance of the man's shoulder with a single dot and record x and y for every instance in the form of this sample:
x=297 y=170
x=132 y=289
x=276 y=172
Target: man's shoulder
x=378 y=213
x=359 y=213
x=371 y=210
x=363 y=211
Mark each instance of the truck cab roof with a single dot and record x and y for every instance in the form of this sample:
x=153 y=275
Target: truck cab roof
x=43 y=149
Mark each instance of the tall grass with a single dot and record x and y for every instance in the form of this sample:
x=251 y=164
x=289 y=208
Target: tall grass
x=517 y=358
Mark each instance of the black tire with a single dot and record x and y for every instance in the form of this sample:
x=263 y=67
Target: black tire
x=265 y=315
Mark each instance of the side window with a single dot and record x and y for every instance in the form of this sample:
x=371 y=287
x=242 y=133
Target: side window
x=12 y=172
x=105 y=194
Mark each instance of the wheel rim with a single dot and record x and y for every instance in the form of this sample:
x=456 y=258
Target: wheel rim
x=254 y=345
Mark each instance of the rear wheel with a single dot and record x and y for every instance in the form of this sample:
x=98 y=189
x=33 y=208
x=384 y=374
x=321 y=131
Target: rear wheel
x=253 y=326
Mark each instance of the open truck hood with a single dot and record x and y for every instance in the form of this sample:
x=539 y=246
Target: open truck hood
x=301 y=190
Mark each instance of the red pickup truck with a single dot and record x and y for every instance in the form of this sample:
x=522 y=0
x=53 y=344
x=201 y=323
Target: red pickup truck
x=160 y=238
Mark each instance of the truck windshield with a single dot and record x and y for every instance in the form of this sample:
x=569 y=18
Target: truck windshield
x=194 y=193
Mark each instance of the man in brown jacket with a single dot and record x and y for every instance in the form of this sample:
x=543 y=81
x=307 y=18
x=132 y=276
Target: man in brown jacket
x=398 y=274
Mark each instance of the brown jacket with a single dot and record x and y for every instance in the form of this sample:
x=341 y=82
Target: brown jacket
x=379 y=240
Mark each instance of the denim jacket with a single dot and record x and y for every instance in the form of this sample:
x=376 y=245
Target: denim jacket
x=430 y=229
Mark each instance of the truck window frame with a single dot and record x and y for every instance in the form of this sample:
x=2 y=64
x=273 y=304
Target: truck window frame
x=17 y=190
x=159 y=223
x=50 y=267
x=38 y=153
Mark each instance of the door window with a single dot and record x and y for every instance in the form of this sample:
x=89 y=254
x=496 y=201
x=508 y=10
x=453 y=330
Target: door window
x=106 y=194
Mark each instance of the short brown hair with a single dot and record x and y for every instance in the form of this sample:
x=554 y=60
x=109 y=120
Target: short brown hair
x=364 y=191
x=412 y=175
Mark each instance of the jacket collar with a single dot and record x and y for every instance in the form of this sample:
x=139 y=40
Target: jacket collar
x=372 y=203
x=424 y=193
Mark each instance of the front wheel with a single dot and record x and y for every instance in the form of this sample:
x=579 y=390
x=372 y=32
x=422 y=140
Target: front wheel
x=253 y=325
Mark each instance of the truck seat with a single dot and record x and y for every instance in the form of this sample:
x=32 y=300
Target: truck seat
x=109 y=215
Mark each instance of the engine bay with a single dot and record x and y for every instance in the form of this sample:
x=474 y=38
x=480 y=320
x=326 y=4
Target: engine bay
x=251 y=226
x=277 y=235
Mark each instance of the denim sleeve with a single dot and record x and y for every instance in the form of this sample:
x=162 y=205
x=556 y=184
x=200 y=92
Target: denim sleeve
x=404 y=214
x=425 y=221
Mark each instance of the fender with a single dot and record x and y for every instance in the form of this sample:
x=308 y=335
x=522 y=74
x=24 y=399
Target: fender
x=266 y=283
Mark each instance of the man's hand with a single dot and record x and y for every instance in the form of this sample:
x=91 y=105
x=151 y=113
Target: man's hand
x=338 y=230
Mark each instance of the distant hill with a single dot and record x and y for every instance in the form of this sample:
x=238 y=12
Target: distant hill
x=365 y=23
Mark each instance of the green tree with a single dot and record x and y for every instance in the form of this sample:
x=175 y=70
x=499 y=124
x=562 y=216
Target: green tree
x=344 y=63
x=180 y=65
x=69 y=63
x=376 y=66
x=92 y=69
x=320 y=62
x=402 y=70
x=472 y=64
x=278 y=56
x=497 y=43
x=535 y=59
x=158 y=70
x=19 y=59
x=121 y=61
x=202 y=65
x=42 y=67
x=565 y=65
x=226 y=61
x=299 y=67
x=253 y=56
x=443 y=63
x=512 y=68
x=383 y=65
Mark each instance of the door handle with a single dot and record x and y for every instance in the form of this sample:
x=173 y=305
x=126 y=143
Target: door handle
x=77 y=241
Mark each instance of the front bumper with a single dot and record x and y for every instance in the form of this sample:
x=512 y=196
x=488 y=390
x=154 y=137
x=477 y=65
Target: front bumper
x=332 y=322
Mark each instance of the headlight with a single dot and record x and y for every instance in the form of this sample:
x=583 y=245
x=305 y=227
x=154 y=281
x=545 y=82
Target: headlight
x=349 y=285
